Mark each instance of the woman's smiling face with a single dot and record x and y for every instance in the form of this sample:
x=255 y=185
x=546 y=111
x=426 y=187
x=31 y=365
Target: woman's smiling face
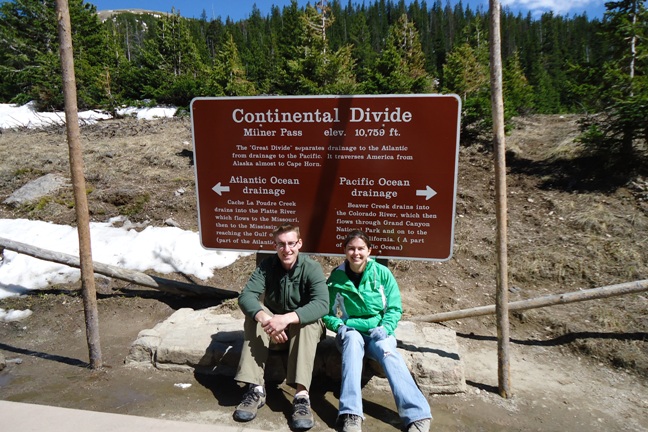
x=357 y=253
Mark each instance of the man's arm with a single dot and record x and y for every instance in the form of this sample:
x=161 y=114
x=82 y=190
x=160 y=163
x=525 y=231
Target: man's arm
x=318 y=304
x=248 y=299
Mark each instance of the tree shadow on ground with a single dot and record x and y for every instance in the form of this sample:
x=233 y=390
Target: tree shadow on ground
x=584 y=172
x=173 y=301
x=189 y=154
x=483 y=387
x=564 y=339
x=58 y=358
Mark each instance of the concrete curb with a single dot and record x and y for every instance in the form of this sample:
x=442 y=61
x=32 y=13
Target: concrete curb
x=18 y=416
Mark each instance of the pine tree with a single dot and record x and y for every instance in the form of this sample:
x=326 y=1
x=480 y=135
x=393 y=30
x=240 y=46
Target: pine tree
x=287 y=26
x=419 y=15
x=623 y=129
x=319 y=70
x=118 y=58
x=360 y=38
x=338 y=32
x=258 y=50
x=518 y=93
x=168 y=59
x=466 y=74
x=126 y=34
x=228 y=75
x=29 y=54
x=171 y=62
x=401 y=66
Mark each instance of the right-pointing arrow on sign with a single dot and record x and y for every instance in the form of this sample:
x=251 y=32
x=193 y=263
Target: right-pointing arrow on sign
x=428 y=192
x=220 y=189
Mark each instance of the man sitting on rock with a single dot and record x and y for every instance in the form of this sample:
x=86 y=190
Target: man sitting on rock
x=295 y=298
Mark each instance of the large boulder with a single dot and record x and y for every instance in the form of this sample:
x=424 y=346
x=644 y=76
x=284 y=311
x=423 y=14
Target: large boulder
x=37 y=189
x=206 y=341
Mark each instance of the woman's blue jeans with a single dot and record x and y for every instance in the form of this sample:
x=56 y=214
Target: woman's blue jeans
x=411 y=403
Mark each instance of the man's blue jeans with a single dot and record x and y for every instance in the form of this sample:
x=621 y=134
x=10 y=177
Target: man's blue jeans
x=411 y=403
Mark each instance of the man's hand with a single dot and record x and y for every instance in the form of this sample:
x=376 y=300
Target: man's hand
x=279 y=338
x=275 y=326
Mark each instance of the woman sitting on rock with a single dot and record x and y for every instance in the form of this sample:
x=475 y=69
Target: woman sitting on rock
x=365 y=310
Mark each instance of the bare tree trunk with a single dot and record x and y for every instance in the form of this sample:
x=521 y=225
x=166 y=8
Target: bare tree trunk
x=501 y=203
x=633 y=42
x=139 y=278
x=78 y=184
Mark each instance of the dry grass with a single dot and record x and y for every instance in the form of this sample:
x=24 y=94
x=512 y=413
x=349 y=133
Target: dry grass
x=598 y=219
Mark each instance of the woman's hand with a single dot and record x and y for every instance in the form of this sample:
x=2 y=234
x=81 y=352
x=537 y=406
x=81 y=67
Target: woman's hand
x=341 y=331
x=378 y=333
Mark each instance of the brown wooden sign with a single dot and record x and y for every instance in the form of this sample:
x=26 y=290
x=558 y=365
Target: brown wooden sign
x=384 y=164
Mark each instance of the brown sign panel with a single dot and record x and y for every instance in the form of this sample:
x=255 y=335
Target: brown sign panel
x=384 y=164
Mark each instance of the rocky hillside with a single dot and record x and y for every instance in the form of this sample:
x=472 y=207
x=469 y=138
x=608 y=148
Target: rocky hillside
x=564 y=234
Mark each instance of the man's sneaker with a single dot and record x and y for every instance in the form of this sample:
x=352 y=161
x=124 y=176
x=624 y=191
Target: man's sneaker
x=419 y=426
x=253 y=399
x=302 y=416
x=349 y=423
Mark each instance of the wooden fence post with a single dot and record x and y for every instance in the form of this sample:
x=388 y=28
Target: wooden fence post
x=497 y=102
x=78 y=183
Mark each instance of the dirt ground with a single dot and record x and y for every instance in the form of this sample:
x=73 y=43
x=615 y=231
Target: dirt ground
x=576 y=367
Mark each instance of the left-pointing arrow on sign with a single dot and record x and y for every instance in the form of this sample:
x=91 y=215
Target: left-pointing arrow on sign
x=428 y=192
x=220 y=189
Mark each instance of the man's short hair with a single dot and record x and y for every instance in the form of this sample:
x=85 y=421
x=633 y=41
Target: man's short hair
x=284 y=228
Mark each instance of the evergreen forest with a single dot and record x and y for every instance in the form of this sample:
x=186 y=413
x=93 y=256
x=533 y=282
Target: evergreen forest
x=552 y=64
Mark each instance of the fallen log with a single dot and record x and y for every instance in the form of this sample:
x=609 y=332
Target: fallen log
x=139 y=278
x=538 y=302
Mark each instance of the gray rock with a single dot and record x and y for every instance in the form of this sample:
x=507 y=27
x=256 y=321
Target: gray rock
x=3 y=362
x=206 y=341
x=172 y=223
x=36 y=189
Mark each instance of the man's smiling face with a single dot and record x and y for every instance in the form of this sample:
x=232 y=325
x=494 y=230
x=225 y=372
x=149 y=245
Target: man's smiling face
x=288 y=245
